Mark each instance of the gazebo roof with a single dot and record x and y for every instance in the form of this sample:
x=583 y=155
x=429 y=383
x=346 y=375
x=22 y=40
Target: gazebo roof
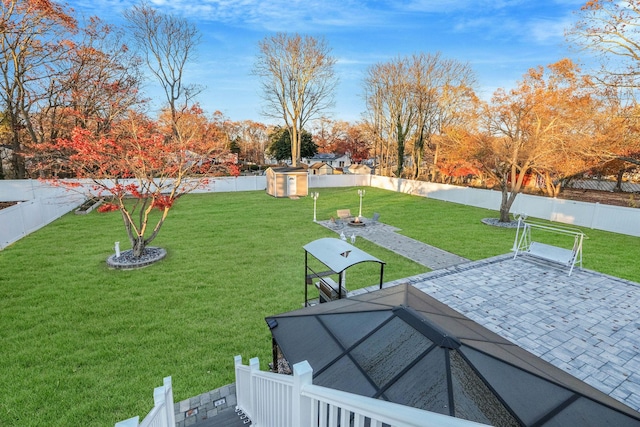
x=400 y=344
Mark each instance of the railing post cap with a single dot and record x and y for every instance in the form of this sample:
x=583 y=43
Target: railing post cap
x=158 y=395
x=302 y=368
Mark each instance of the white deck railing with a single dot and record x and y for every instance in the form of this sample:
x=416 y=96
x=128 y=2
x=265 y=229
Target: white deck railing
x=162 y=414
x=276 y=400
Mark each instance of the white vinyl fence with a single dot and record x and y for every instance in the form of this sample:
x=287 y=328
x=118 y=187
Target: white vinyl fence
x=39 y=204
x=616 y=219
x=162 y=414
x=42 y=203
x=277 y=400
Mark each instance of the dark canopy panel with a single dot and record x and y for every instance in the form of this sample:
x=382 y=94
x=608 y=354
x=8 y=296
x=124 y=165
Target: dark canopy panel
x=401 y=345
x=350 y=328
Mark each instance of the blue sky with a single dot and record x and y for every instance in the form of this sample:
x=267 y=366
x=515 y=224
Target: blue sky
x=499 y=39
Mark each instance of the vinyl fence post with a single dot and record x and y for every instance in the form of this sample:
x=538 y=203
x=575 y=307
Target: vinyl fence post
x=301 y=406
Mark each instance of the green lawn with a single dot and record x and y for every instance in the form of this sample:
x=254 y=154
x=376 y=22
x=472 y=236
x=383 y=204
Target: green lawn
x=86 y=345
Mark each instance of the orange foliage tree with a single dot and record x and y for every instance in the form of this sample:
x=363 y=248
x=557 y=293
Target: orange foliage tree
x=33 y=42
x=550 y=124
x=609 y=30
x=142 y=170
x=340 y=137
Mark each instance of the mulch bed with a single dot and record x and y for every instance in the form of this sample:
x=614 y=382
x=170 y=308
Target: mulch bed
x=7 y=204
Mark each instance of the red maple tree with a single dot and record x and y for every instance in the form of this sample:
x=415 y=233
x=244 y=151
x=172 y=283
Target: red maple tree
x=140 y=170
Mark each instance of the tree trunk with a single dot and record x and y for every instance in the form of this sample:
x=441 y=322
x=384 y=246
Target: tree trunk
x=505 y=204
x=137 y=242
x=619 y=181
x=138 y=246
x=510 y=189
x=433 y=169
x=17 y=161
x=551 y=189
x=417 y=161
x=295 y=145
x=401 y=136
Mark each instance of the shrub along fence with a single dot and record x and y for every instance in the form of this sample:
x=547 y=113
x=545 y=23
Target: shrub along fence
x=41 y=203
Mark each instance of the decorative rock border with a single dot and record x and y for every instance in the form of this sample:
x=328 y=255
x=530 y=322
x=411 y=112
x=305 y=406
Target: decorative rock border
x=495 y=222
x=126 y=260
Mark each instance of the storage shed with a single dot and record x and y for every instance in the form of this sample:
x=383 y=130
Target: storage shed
x=287 y=181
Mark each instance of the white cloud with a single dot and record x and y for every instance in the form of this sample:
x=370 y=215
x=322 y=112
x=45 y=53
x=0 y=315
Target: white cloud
x=546 y=31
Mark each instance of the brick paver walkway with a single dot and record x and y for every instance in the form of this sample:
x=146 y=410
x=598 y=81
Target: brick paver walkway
x=387 y=237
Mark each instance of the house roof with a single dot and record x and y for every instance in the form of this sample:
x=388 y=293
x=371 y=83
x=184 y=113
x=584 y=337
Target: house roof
x=319 y=165
x=359 y=166
x=326 y=156
x=400 y=344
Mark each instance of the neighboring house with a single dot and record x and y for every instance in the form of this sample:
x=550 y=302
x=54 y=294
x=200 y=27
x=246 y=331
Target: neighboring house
x=320 y=168
x=333 y=160
x=359 y=169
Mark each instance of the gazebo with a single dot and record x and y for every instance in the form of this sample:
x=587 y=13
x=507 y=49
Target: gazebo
x=401 y=345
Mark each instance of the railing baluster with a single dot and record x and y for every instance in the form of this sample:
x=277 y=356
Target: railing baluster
x=344 y=417
x=323 y=414
x=333 y=416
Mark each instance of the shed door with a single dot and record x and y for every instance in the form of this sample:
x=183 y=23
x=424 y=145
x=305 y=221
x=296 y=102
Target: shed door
x=292 y=189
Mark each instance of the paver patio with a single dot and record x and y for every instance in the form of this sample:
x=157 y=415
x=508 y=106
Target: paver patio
x=586 y=324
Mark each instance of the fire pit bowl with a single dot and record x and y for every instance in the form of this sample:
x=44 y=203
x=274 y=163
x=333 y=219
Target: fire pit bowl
x=357 y=222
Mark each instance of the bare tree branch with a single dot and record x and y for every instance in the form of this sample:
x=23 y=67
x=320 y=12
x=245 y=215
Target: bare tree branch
x=298 y=81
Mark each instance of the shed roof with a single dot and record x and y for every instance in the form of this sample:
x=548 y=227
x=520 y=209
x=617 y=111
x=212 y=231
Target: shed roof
x=288 y=169
x=400 y=344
